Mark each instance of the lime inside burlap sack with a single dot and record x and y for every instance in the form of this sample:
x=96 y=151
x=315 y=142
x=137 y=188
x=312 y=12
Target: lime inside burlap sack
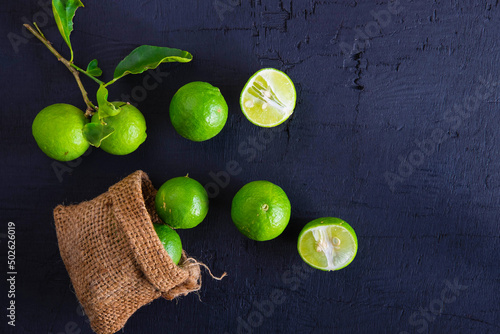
x=114 y=258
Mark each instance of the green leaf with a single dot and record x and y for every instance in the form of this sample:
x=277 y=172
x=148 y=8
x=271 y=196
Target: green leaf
x=148 y=57
x=95 y=133
x=93 y=68
x=106 y=109
x=64 y=12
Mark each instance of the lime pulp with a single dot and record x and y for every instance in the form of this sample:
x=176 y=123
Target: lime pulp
x=327 y=244
x=268 y=98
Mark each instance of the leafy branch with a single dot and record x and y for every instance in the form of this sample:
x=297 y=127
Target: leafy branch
x=91 y=108
x=141 y=59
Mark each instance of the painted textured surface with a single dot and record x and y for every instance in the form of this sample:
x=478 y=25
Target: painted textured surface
x=424 y=79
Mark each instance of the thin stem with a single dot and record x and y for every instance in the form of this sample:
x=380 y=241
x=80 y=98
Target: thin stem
x=111 y=82
x=87 y=74
x=36 y=26
x=90 y=107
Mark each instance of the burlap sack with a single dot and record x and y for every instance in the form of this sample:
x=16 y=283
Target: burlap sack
x=113 y=256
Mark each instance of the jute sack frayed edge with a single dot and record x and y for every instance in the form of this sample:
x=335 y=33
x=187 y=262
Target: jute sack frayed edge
x=113 y=256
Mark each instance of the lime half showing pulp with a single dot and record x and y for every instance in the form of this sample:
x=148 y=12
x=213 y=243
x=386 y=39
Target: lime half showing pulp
x=268 y=98
x=327 y=244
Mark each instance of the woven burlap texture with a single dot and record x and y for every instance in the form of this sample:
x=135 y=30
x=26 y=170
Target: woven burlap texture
x=113 y=256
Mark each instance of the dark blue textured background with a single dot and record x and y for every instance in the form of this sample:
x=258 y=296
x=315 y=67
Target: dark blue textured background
x=359 y=116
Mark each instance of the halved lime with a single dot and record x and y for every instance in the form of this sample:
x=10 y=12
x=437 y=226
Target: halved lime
x=268 y=98
x=327 y=244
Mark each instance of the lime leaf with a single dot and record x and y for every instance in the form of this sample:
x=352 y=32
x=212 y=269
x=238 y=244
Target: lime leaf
x=148 y=57
x=64 y=12
x=106 y=108
x=93 y=68
x=95 y=133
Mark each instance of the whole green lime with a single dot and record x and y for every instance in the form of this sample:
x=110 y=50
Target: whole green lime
x=261 y=210
x=58 y=131
x=198 y=111
x=182 y=202
x=170 y=241
x=130 y=130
